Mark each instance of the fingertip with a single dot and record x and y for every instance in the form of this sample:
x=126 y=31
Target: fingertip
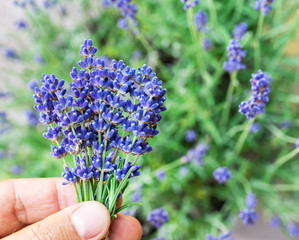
x=125 y=227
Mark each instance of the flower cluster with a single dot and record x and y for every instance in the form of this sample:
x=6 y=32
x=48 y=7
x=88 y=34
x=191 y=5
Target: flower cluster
x=240 y=30
x=225 y=236
x=207 y=44
x=275 y=221
x=128 y=12
x=32 y=84
x=160 y=174
x=222 y=175
x=264 y=6
x=255 y=127
x=260 y=87
x=293 y=229
x=190 y=136
x=4 y=124
x=32 y=118
x=200 y=20
x=10 y=53
x=248 y=215
x=21 y=24
x=197 y=154
x=112 y=110
x=235 y=57
x=158 y=217
x=190 y=3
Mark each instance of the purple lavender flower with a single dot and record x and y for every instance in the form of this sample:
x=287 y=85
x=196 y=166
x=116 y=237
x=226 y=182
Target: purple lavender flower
x=197 y=154
x=129 y=212
x=123 y=23
x=190 y=3
x=222 y=175
x=32 y=84
x=255 y=127
x=225 y=236
x=264 y=6
x=250 y=200
x=235 y=57
x=69 y=176
x=21 y=24
x=158 y=238
x=260 y=87
x=285 y=124
x=16 y=169
x=39 y=59
x=240 y=30
x=293 y=229
x=32 y=118
x=275 y=221
x=158 y=217
x=137 y=195
x=200 y=20
x=190 y=136
x=183 y=171
x=128 y=12
x=136 y=55
x=112 y=109
x=207 y=44
x=10 y=53
x=160 y=174
x=248 y=216
x=297 y=143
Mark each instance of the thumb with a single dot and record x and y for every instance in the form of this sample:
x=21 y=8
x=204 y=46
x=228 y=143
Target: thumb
x=88 y=220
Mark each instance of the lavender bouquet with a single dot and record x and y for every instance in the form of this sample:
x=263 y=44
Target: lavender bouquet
x=104 y=124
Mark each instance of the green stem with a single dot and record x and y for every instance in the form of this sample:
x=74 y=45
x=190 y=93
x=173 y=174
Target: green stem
x=171 y=165
x=149 y=49
x=213 y=12
x=77 y=193
x=243 y=136
x=135 y=160
x=85 y=191
x=228 y=100
x=198 y=47
x=286 y=158
x=276 y=187
x=279 y=134
x=243 y=180
x=279 y=162
x=257 y=43
x=238 y=10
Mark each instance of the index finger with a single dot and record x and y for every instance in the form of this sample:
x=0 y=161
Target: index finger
x=26 y=201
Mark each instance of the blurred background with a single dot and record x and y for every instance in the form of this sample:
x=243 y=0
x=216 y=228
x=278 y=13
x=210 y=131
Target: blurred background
x=45 y=37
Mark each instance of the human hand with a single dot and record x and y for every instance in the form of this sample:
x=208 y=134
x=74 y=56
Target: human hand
x=43 y=209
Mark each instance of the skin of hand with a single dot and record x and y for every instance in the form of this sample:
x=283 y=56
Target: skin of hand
x=44 y=209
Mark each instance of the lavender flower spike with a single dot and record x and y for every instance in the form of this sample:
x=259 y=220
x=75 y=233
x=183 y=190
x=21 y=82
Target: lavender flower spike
x=264 y=6
x=248 y=215
x=158 y=217
x=222 y=175
x=235 y=57
x=240 y=30
x=200 y=20
x=260 y=87
x=190 y=3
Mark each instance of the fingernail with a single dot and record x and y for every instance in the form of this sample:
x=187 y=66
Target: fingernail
x=91 y=220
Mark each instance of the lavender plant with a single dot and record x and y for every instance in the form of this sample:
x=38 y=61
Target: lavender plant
x=108 y=118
